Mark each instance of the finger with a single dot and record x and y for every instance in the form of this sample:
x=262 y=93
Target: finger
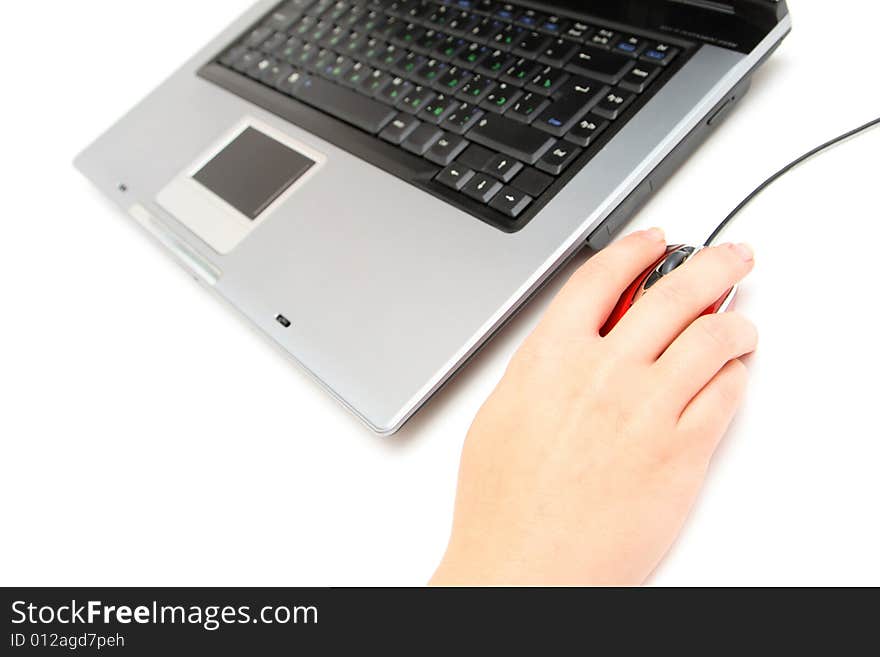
x=669 y=307
x=710 y=413
x=586 y=301
x=702 y=351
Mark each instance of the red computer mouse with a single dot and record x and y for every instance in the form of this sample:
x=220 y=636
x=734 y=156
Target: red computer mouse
x=674 y=258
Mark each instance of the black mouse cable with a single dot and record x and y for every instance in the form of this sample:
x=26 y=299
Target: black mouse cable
x=782 y=172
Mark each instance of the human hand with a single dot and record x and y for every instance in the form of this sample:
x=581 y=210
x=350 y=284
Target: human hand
x=582 y=466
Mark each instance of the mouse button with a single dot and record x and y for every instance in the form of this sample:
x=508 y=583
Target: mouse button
x=652 y=279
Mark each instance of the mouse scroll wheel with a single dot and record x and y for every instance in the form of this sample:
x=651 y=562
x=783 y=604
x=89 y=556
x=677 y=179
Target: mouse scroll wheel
x=675 y=260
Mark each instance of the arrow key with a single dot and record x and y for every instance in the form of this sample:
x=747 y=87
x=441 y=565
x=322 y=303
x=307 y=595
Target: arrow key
x=503 y=167
x=455 y=176
x=511 y=202
x=557 y=159
x=482 y=188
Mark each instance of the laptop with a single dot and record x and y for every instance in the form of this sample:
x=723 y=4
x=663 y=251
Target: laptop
x=379 y=185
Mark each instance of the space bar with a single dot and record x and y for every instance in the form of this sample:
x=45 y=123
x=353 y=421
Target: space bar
x=347 y=105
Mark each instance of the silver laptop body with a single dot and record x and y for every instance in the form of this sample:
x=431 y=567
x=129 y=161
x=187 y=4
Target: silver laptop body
x=380 y=290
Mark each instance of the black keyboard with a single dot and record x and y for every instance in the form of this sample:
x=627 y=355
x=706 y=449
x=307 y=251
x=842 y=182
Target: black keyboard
x=491 y=106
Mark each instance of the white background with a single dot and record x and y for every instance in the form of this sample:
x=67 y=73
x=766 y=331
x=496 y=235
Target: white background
x=150 y=437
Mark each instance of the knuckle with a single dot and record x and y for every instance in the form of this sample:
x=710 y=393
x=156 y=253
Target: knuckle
x=720 y=330
x=742 y=332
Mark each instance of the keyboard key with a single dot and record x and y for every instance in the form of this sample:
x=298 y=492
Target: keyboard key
x=258 y=36
x=276 y=73
x=486 y=30
x=501 y=98
x=416 y=99
x=521 y=72
x=247 y=61
x=336 y=68
x=344 y=104
x=337 y=11
x=409 y=64
x=375 y=83
x=554 y=25
x=431 y=72
x=614 y=103
x=438 y=108
x=603 y=38
x=399 y=129
x=407 y=35
x=503 y=168
x=498 y=62
x=335 y=38
x=530 y=18
x=372 y=50
x=356 y=75
x=532 y=182
x=390 y=57
x=290 y=84
x=450 y=47
x=558 y=53
x=558 y=158
x=446 y=149
x=476 y=89
x=454 y=79
x=528 y=108
x=661 y=53
x=285 y=16
x=631 y=46
x=320 y=7
x=429 y=41
x=395 y=91
x=482 y=188
x=473 y=55
x=511 y=138
x=455 y=176
x=422 y=138
x=578 y=32
x=233 y=55
x=531 y=44
x=604 y=66
x=578 y=97
x=476 y=157
x=463 y=118
x=508 y=37
x=463 y=23
x=548 y=81
x=274 y=43
x=587 y=131
x=511 y=202
x=506 y=12
x=639 y=78
x=370 y=21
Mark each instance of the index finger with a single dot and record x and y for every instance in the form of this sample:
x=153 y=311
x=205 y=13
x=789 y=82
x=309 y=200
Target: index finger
x=670 y=306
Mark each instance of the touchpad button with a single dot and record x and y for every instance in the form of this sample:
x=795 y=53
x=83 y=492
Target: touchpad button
x=252 y=171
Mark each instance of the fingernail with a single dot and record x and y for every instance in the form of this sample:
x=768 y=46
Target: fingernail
x=744 y=251
x=655 y=234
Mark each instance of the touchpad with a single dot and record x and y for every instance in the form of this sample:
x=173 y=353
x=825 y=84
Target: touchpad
x=248 y=177
x=252 y=171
